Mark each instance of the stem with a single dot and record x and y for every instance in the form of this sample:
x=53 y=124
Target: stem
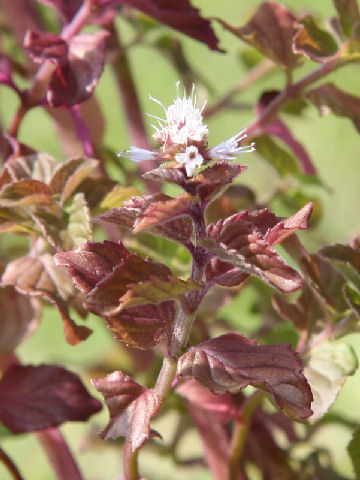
x=10 y=465
x=259 y=71
x=240 y=433
x=82 y=131
x=131 y=470
x=59 y=454
x=292 y=91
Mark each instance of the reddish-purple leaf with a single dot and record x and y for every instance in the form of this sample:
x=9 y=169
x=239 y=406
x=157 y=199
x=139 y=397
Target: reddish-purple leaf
x=45 y=46
x=328 y=98
x=37 y=398
x=74 y=81
x=231 y=362
x=177 y=14
x=131 y=408
x=40 y=277
x=21 y=316
x=67 y=8
x=240 y=243
x=144 y=326
x=313 y=42
x=25 y=192
x=271 y=31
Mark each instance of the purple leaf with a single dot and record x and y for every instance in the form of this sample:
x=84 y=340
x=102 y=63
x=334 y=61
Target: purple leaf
x=131 y=408
x=228 y=363
x=45 y=46
x=37 y=398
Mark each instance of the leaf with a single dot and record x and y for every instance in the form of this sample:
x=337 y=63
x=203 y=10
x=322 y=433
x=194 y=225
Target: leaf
x=131 y=408
x=179 y=230
x=313 y=42
x=180 y=15
x=283 y=162
x=354 y=452
x=349 y=15
x=40 y=277
x=330 y=99
x=144 y=326
x=238 y=242
x=66 y=8
x=158 y=213
x=20 y=321
x=228 y=363
x=38 y=398
x=327 y=368
x=38 y=166
x=270 y=31
x=346 y=260
x=116 y=280
x=117 y=196
x=25 y=192
x=68 y=176
x=79 y=225
x=74 y=81
x=45 y=46
x=353 y=299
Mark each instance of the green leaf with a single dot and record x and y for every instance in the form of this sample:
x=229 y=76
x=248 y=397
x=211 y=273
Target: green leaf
x=349 y=15
x=117 y=197
x=284 y=163
x=79 y=226
x=313 y=42
x=354 y=452
x=327 y=368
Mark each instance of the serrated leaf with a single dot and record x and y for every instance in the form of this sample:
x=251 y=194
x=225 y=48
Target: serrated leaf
x=283 y=162
x=327 y=369
x=354 y=452
x=39 y=166
x=79 y=224
x=161 y=212
x=314 y=42
x=69 y=175
x=228 y=363
x=38 y=276
x=240 y=243
x=131 y=408
x=37 y=398
x=330 y=99
x=142 y=327
x=271 y=31
x=349 y=15
x=20 y=320
x=25 y=192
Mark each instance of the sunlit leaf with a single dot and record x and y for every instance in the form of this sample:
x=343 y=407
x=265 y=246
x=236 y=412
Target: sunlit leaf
x=79 y=225
x=314 y=42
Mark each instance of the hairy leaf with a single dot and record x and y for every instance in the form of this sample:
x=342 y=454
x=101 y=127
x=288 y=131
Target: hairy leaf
x=313 y=42
x=40 y=277
x=238 y=242
x=21 y=316
x=74 y=81
x=117 y=196
x=349 y=15
x=79 y=226
x=38 y=166
x=328 y=98
x=37 y=398
x=25 y=192
x=327 y=368
x=271 y=31
x=144 y=326
x=177 y=14
x=131 y=408
x=228 y=363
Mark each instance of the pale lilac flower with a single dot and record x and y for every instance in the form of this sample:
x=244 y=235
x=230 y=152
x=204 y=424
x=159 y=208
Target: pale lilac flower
x=191 y=158
x=136 y=154
x=183 y=123
x=229 y=149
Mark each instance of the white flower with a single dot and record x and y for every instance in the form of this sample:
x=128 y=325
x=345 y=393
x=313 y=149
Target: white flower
x=183 y=123
x=191 y=158
x=136 y=154
x=229 y=149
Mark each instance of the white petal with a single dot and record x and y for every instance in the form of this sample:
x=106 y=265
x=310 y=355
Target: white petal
x=136 y=154
x=229 y=149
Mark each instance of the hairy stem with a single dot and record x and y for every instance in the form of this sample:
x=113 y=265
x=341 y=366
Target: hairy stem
x=240 y=433
x=10 y=465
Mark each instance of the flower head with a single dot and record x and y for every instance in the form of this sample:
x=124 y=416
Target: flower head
x=191 y=158
x=229 y=149
x=183 y=123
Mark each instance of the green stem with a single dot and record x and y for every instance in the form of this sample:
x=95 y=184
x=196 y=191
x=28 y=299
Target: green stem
x=240 y=433
x=131 y=470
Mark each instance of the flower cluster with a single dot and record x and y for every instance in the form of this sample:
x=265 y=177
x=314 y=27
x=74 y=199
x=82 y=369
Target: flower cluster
x=183 y=137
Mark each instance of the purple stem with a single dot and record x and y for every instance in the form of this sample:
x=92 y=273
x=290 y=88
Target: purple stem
x=10 y=465
x=59 y=454
x=82 y=130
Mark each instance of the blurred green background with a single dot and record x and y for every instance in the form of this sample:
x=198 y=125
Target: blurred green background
x=334 y=147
